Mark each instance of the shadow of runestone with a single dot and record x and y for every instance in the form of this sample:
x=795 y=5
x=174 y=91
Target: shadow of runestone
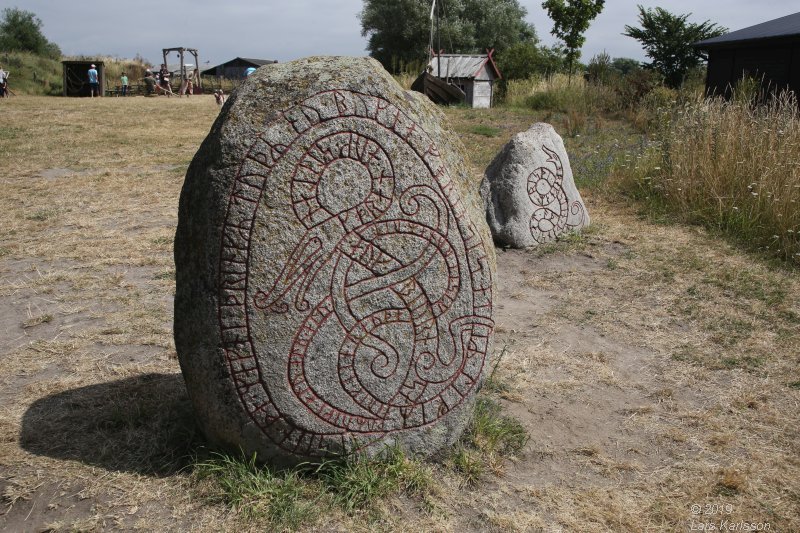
x=142 y=424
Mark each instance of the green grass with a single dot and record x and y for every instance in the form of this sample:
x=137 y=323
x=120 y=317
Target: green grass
x=295 y=498
x=167 y=274
x=290 y=498
x=32 y=74
x=358 y=482
x=42 y=214
x=284 y=500
x=570 y=242
x=490 y=438
x=486 y=131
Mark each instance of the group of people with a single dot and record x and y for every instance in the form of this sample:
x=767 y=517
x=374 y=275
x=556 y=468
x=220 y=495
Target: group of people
x=3 y=83
x=160 y=82
x=154 y=84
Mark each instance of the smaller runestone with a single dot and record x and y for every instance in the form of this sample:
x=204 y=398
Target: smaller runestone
x=529 y=192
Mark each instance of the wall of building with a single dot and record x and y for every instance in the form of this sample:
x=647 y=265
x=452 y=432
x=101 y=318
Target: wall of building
x=482 y=94
x=776 y=64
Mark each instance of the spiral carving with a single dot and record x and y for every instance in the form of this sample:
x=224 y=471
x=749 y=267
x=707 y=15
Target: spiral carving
x=378 y=275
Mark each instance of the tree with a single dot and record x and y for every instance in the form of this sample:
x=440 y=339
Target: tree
x=22 y=31
x=499 y=24
x=525 y=59
x=667 y=40
x=398 y=31
x=571 y=19
x=623 y=65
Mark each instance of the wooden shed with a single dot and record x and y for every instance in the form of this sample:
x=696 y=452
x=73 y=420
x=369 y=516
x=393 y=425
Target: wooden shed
x=76 y=77
x=235 y=68
x=769 y=51
x=473 y=74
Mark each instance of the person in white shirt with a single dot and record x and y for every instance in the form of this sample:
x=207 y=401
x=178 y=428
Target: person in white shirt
x=3 y=83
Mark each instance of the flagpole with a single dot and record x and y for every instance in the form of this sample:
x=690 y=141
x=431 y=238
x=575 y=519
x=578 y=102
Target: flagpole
x=438 y=46
x=430 y=42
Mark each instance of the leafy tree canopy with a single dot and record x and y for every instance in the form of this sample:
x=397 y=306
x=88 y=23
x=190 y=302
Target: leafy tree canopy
x=623 y=65
x=667 y=40
x=571 y=19
x=525 y=59
x=22 y=31
x=398 y=31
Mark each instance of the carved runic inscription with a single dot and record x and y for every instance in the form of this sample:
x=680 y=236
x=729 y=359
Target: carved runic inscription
x=354 y=292
x=551 y=215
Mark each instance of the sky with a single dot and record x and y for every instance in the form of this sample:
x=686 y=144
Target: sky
x=268 y=29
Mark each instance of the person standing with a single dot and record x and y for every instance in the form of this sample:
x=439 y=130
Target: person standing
x=149 y=83
x=163 y=78
x=3 y=83
x=124 y=81
x=193 y=79
x=94 y=84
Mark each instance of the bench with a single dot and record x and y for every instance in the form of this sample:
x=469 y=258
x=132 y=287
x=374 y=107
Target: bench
x=133 y=90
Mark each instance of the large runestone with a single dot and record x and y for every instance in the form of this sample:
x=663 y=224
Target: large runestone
x=334 y=284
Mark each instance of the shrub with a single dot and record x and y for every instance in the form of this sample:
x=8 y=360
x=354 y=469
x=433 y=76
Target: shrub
x=544 y=100
x=634 y=86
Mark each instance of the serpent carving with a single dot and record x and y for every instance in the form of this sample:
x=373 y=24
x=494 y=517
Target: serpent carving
x=552 y=215
x=380 y=277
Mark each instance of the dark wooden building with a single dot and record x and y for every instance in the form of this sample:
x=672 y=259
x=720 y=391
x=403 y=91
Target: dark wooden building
x=235 y=68
x=76 y=77
x=769 y=51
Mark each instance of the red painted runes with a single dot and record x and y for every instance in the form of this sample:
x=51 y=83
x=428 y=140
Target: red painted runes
x=354 y=293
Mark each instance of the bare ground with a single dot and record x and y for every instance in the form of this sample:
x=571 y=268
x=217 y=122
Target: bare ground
x=655 y=367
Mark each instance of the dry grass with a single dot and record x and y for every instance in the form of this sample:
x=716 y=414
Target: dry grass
x=654 y=367
x=574 y=97
x=519 y=90
x=733 y=166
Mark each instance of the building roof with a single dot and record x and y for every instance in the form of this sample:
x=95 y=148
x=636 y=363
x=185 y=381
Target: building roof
x=241 y=61
x=257 y=62
x=462 y=65
x=787 y=26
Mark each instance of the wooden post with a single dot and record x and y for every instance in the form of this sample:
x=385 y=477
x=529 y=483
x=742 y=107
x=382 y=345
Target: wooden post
x=197 y=66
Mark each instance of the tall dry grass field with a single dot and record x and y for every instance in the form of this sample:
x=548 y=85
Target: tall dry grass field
x=733 y=166
x=559 y=92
